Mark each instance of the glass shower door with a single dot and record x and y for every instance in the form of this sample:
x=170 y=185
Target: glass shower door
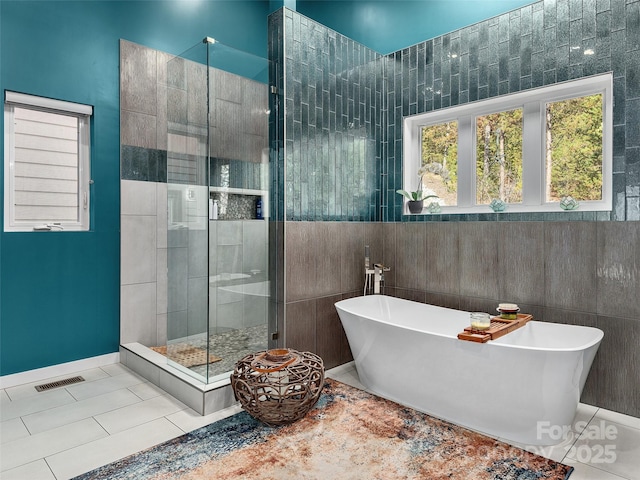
x=187 y=211
x=218 y=104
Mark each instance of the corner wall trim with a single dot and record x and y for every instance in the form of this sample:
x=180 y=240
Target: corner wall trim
x=61 y=369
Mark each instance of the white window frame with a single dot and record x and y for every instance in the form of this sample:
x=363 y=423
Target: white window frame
x=83 y=114
x=533 y=102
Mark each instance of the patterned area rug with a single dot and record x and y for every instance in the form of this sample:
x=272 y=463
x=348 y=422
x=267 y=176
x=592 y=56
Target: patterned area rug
x=348 y=435
x=186 y=355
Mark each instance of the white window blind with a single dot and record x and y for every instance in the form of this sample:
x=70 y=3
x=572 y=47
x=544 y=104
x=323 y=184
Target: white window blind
x=46 y=164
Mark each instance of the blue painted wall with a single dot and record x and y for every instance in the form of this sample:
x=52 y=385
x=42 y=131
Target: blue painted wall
x=60 y=292
x=387 y=26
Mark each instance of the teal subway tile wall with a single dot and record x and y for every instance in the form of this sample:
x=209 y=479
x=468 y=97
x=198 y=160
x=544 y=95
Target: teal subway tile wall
x=535 y=45
x=538 y=44
x=333 y=117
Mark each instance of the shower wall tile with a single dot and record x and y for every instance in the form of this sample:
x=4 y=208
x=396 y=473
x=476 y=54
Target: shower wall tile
x=255 y=247
x=138 y=314
x=198 y=250
x=229 y=259
x=143 y=164
x=255 y=311
x=138 y=198
x=230 y=233
x=158 y=89
x=162 y=69
x=213 y=312
x=213 y=247
x=161 y=329
x=138 y=249
x=197 y=103
x=162 y=281
x=177 y=323
x=225 y=138
x=161 y=214
x=138 y=129
x=618 y=269
x=177 y=277
x=197 y=297
x=228 y=87
x=228 y=315
x=224 y=296
x=177 y=105
x=138 y=77
x=162 y=132
x=570 y=272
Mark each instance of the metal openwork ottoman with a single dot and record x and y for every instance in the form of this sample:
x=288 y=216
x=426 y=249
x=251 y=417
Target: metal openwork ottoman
x=278 y=386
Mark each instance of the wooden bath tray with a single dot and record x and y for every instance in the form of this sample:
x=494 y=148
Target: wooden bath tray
x=499 y=327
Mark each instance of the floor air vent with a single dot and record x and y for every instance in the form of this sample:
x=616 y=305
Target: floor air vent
x=59 y=383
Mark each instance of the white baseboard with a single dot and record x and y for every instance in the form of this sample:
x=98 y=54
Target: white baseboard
x=62 y=369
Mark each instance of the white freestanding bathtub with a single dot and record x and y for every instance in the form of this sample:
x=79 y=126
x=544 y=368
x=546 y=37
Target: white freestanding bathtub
x=522 y=387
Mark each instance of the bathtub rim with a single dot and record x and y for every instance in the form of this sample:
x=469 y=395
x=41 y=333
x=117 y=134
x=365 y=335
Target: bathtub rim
x=502 y=341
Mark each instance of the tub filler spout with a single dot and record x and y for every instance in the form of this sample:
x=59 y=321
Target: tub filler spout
x=378 y=277
x=373 y=277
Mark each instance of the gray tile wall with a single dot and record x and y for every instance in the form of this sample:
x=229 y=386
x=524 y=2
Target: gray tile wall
x=143 y=263
x=236 y=246
x=157 y=88
x=584 y=273
x=324 y=264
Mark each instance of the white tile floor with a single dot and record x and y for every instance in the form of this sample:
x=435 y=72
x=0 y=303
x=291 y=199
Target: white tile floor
x=61 y=433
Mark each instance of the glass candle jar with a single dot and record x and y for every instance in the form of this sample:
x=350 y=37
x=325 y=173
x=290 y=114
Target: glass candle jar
x=508 y=311
x=480 y=320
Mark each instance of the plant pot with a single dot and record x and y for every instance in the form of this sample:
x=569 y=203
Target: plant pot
x=415 y=206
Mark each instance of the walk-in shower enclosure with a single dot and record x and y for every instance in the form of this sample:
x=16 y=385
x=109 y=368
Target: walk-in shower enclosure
x=219 y=108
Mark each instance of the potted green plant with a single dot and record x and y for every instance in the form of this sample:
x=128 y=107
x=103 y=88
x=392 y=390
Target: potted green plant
x=415 y=199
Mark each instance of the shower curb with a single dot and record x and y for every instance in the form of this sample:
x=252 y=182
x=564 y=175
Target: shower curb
x=203 y=398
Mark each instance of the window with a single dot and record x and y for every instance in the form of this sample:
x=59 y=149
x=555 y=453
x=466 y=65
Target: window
x=46 y=159
x=529 y=149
